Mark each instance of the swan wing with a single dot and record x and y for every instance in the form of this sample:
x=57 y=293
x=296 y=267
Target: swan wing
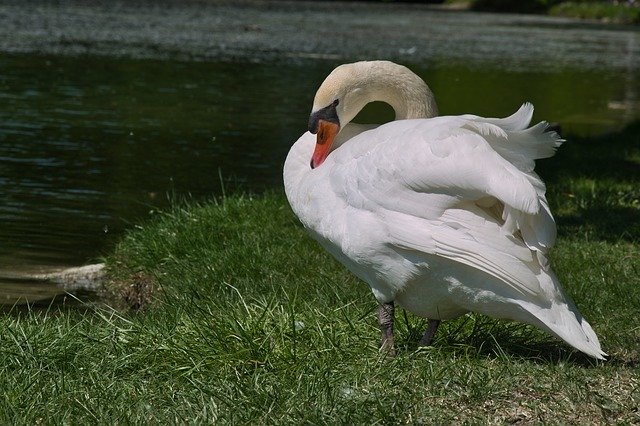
x=440 y=188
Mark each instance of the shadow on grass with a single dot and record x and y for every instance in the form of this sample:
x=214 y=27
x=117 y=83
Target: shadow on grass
x=602 y=223
x=607 y=156
x=484 y=337
x=606 y=169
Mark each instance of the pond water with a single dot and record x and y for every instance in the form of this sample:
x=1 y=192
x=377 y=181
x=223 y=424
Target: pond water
x=90 y=146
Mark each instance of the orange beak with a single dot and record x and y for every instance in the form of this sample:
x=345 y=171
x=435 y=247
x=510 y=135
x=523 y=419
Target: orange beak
x=327 y=132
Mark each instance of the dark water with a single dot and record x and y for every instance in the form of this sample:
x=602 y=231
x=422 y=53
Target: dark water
x=90 y=146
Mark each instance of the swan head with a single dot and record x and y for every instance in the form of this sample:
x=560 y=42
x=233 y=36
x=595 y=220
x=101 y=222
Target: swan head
x=333 y=107
x=349 y=87
x=325 y=123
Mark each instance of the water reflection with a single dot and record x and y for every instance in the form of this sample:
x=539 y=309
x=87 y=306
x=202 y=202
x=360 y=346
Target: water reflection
x=89 y=146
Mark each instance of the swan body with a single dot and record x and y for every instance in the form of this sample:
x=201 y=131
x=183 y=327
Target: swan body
x=441 y=215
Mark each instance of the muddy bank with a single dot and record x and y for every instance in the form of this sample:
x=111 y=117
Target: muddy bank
x=274 y=30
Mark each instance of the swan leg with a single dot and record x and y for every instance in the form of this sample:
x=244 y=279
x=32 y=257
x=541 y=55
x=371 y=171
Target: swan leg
x=385 y=319
x=428 y=336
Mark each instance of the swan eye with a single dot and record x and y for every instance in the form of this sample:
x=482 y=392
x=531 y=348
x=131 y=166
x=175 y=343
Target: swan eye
x=336 y=102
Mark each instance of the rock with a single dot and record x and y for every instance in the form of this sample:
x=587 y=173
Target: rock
x=82 y=278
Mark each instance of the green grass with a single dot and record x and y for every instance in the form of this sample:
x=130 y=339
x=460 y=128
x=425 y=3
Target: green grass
x=619 y=12
x=243 y=319
x=608 y=12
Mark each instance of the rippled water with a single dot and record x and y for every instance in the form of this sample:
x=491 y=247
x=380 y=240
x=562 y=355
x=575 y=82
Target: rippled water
x=90 y=146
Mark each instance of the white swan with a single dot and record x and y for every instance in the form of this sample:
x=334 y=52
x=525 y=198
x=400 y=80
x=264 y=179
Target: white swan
x=441 y=215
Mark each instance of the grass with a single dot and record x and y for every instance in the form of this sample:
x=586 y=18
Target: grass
x=607 y=12
x=241 y=318
x=619 y=12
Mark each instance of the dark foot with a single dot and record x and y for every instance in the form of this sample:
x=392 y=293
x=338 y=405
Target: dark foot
x=385 y=319
x=428 y=336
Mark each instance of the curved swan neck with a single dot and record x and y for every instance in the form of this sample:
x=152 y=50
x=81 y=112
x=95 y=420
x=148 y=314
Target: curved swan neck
x=360 y=83
x=408 y=94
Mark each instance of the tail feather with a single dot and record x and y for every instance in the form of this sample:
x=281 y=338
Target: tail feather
x=571 y=327
x=521 y=146
x=563 y=320
x=518 y=144
x=515 y=122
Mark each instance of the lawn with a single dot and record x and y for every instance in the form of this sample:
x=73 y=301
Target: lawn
x=612 y=11
x=228 y=312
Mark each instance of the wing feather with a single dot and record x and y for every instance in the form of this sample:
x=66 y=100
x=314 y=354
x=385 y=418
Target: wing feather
x=436 y=182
